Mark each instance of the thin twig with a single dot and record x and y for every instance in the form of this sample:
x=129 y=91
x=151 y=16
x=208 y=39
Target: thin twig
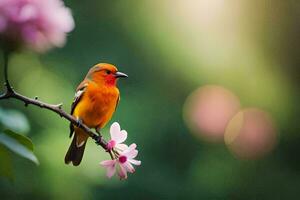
x=57 y=109
x=11 y=93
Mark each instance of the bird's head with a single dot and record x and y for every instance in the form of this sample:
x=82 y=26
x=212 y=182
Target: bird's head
x=105 y=73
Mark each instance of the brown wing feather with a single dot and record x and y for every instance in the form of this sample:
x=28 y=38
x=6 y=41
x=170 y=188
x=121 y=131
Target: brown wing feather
x=79 y=93
x=118 y=100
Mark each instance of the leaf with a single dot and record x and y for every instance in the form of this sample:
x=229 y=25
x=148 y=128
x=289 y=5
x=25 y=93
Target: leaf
x=6 y=169
x=14 y=120
x=19 y=144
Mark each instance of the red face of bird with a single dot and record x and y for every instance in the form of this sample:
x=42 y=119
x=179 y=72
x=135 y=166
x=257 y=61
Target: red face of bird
x=105 y=73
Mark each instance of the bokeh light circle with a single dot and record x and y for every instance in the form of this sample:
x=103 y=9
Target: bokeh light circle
x=208 y=110
x=250 y=134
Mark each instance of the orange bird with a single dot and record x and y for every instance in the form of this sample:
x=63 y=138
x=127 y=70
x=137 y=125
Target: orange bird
x=95 y=102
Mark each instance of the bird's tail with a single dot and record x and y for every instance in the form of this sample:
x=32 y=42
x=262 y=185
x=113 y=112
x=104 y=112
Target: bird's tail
x=76 y=149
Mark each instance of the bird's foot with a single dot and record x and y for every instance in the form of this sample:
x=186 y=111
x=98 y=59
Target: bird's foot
x=98 y=131
x=79 y=122
x=98 y=140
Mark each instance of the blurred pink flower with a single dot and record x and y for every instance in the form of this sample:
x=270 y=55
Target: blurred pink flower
x=208 y=110
x=251 y=134
x=117 y=137
x=124 y=163
x=35 y=24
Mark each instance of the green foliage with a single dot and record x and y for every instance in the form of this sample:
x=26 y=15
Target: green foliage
x=10 y=141
x=14 y=120
x=19 y=144
x=6 y=169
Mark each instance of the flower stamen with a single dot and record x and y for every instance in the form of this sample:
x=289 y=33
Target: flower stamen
x=122 y=159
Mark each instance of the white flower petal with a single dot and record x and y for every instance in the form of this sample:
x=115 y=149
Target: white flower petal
x=115 y=127
x=123 y=136
x=122 y=172
x=129 y=167
x=132 y=146
x=116 y=133
x=119 y=137
x=110 y=166
x=129 y=149
x=122 y=146
x=110 y=171
x=132 y=153
x=107 y=163
x=135 y=162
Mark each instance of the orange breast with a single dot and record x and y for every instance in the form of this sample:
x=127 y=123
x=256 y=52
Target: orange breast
x=97 y=105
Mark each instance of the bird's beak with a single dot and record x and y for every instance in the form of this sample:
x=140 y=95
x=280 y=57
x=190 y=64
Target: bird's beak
x=120 y=75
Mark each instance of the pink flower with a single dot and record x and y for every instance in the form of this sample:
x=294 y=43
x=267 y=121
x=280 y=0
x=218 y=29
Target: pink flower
x=124 y=163
x=126 y=160
x=35 y=24
x=110 y=166
x=117 y=137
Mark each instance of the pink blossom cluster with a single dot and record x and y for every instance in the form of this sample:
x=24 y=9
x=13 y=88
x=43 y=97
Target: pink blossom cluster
x=35 y=24
x=123 y=156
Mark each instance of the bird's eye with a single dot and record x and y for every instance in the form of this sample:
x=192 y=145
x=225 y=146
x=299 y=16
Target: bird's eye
x=108 y=72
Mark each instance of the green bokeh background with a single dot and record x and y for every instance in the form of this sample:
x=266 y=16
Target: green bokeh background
x=168 y=49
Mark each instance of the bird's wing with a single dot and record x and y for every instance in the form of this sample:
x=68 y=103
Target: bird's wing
x=79 y=93
x=118 y=100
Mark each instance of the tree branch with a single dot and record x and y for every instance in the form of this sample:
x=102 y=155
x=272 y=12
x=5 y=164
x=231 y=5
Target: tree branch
x=11 y=93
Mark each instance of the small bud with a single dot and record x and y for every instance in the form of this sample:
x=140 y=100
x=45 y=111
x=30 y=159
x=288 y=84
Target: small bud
x=60 y=105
